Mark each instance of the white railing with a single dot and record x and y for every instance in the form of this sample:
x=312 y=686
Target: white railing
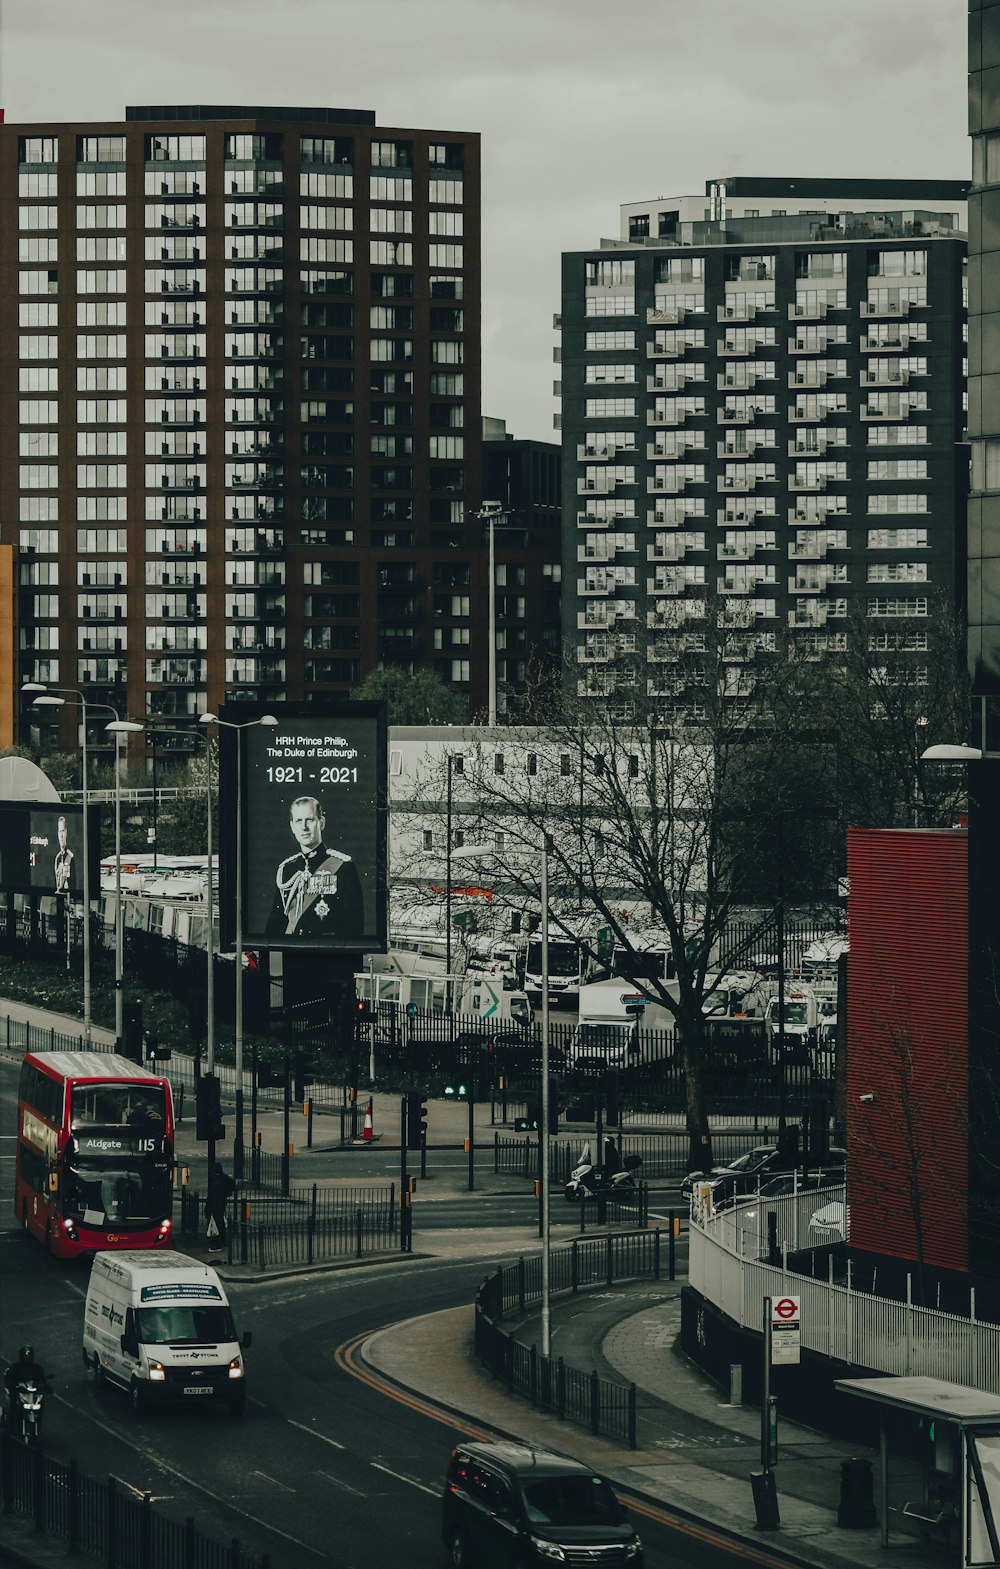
x=837 y=1321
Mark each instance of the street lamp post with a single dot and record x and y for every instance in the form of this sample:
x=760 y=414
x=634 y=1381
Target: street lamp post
x=488 y=513
x=118 y=728
x=478 y=850
x=46 y=698
x=228 y=724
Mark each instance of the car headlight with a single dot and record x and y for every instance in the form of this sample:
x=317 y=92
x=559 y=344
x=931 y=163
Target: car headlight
x=157 y=1372
x=633 y=1548
x=548 y=1549
x=236 y=1368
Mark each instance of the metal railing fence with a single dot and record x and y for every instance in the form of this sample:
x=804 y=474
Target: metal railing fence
x=838 y=1321
x=104 y=1520
x=663 y=1154
x=603 y=1405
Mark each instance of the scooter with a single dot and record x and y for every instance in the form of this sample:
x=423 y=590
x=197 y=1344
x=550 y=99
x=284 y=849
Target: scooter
x=27 y=1403
x=617 y=1175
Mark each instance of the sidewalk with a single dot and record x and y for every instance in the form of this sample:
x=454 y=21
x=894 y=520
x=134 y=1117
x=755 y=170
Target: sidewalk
x=696 y=1452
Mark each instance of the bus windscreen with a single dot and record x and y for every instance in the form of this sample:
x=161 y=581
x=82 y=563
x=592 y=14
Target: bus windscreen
x=111 y=1104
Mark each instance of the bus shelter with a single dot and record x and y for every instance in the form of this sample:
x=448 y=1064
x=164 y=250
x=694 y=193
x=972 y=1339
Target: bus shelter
x=960 y=1487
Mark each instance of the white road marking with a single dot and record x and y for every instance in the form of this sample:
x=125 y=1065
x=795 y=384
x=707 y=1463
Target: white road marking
x=274 y=1479
x=313 y=1433
x=400 y=1478
x=357 y=1491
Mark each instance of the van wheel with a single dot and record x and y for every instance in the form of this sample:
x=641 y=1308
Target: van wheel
x=100 y=1377
x=458 y=1549
x=138 y=1398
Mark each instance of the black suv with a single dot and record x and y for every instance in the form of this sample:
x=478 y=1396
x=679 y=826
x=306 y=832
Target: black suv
x=509 y=1506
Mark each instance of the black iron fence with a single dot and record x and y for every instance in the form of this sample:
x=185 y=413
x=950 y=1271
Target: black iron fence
x=310 y=1225
x=603 y=1405
x=118 y=1527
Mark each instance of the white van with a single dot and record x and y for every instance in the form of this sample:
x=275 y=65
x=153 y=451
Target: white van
x=160 y=1326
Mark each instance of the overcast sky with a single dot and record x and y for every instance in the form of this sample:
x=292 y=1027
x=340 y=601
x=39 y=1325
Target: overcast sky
x=581 y=104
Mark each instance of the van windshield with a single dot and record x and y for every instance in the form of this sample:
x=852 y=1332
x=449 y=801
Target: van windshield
x=187 y=1324
x=570 y=1500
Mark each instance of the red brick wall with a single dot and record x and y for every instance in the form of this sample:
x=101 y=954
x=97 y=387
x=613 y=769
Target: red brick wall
x=907 y=1044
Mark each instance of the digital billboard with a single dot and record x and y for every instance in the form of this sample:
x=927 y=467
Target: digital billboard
x=41 y=849
x=314 y=828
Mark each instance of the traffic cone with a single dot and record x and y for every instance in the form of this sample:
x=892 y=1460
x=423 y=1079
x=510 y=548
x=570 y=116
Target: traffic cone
x=368 y=1133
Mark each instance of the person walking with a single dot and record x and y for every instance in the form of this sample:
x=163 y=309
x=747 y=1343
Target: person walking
x=220 y=1190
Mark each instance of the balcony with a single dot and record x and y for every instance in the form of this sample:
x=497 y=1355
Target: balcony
x=741 y=312
x=733 y=449
x=890 y=307
x=812 y=583
x=807 y=310
x=677 y=381
x=677 y=417
x=889 y=376
x=665 y=318
x=811 y=550
x=799 y=448
x=605 y=486
x=796 y=483
x=871 y=411
x=816 y=378
x=811 y=513
x=669 y=484
x=667 y=451
x=588 y=454
x=741 y=379
x=742 y=552
x=899 y=341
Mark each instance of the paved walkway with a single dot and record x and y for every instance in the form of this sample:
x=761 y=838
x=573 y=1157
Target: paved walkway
x=695 y=1451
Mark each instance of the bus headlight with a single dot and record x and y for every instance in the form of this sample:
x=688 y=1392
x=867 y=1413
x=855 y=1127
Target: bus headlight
x=165 y=1227
x=236 y=1368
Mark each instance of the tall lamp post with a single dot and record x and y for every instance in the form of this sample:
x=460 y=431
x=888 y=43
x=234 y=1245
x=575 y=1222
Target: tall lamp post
x=479 y=850
x=229 y=724
x=118 y=728
x=488 y=513
x=46 y=698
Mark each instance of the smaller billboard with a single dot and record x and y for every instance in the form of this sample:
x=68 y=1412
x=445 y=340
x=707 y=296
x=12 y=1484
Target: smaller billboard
x=41 y=849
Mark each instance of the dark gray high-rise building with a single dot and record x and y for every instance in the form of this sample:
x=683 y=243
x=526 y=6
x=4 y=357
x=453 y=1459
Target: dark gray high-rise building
x=984 y=358
x=240 y=427
x=762 y=402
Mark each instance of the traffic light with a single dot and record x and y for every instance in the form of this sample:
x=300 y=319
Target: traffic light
x=456 y=1090
x=156 y=1051
x=208 y=1108
x=265 y=1076
x=532 y=1120
x=131 y=1042
x=416 y=1120
x=302 y=1074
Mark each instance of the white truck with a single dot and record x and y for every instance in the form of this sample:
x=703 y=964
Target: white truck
x=159 y=1325
x=607 y=1034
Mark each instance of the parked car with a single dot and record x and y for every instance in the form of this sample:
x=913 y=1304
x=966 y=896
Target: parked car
x=507 y=1503
x=760 y=1158
x=812 y=1178
x=750 y=1171
x=827 y=1224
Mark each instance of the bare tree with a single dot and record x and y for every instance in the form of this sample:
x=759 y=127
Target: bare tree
x=658 y=810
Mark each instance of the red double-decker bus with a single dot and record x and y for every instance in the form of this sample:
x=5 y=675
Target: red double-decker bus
x=95 y=1153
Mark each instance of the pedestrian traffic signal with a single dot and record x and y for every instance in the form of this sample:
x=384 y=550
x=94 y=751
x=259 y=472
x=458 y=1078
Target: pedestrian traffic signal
x=156 y=1051
x=302 y=1074
x=456 y=1091
x=416 y=1121
x=208 y=1107
x=532 y=1120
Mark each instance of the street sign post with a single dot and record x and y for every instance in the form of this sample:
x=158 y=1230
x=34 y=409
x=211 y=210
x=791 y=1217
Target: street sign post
x=785 y=1326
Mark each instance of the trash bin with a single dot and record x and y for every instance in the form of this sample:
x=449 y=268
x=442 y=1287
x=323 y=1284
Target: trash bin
x=857 y=1496
x=765 y=1500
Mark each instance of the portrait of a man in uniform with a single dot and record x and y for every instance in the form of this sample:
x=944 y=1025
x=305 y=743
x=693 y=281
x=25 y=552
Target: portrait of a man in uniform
x=64 y=858
x=317 y=891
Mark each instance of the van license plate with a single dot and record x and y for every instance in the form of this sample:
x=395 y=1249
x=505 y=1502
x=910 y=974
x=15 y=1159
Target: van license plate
x=197 y=1389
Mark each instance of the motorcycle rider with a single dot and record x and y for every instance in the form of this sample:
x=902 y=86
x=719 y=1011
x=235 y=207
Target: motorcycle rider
x=22 y=1371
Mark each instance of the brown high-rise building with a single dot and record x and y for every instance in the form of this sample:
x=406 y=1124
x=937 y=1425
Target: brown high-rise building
x=240 y=411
